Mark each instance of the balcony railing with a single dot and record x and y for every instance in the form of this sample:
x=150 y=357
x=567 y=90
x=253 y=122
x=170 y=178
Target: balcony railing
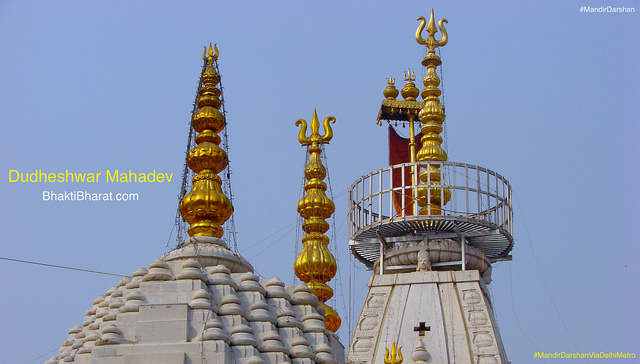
x=385 y=202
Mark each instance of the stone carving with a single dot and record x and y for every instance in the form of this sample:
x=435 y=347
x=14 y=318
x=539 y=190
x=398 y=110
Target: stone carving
x=477 y=317
x=424 y=262
x=420 y=354
x=487 y=359
x=482 y=339
x=376 y=300
x=363 y=344
x=471 y=296
x=438 y=251
x=368 y=322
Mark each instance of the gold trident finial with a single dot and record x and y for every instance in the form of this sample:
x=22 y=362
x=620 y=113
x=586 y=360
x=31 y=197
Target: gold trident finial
x=391 y=81
x=211 y=57
x=431 y=42
x=315 y=137
x=409 y=76
x=393 y=359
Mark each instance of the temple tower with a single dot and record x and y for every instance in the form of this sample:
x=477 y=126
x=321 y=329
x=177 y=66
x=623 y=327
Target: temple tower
x=202 y=302
x=430 y=230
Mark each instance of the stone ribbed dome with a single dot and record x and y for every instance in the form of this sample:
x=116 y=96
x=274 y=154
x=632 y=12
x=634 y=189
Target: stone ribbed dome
x=202 y=302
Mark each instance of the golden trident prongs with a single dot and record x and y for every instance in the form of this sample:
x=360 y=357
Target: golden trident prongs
x=409 y=76
x=396 y=357
x=211 y=56
x=431 y=42
x=315 y=130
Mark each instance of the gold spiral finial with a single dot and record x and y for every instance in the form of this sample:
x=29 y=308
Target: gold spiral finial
x=206 y=207
x=315 y=265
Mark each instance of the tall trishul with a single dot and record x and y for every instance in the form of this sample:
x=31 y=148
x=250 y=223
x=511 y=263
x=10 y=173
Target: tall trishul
x=432 y=200
x=206 y=207
x=315 y=265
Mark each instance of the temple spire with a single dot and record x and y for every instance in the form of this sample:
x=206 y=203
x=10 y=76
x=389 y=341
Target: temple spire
x=206 y=207
x=431 y=200
x=315 y=265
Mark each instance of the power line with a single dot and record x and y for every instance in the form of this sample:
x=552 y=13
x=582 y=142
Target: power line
x=63 y=267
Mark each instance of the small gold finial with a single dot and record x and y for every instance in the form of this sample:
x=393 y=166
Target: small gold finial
x=410 y=91
x=211 y=57
x=431 y=41
x=396 y=356
x=315 y=265
x=391 y=92
x=409 y=76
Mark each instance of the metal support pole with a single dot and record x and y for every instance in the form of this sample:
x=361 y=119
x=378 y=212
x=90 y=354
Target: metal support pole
x=381 y=258
x=414 y=169
x=463 y=243
x=383 y=245
x=412 y=140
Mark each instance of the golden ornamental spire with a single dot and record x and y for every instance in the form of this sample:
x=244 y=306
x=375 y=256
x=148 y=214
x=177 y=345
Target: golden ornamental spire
x=206 y=207
x=431 y=200
x=315 y=265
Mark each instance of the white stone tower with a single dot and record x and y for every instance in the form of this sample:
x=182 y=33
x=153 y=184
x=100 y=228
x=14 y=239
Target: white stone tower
x=430 y=230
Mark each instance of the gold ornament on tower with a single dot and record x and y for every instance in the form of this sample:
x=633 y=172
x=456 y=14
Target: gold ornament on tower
x=395 y=357
x=315 y=265
x=432 y=199
x=206 y=207
x=410 y=91
x=391 y=92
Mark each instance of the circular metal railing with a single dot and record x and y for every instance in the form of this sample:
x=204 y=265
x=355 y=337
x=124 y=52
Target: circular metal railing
x=384 y=204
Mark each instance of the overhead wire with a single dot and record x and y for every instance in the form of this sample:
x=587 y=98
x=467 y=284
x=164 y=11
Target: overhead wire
x=290 y=227
x=63 y=267
x=334 y=237
x=230 y=224
x=544 y=283
x=42 y=355
x=299 y=219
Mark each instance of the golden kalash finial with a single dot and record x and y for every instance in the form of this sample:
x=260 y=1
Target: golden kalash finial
x=206 y=207
x=431 y=200
x=410 y=91
x=393 y=359
x=391 y=92
x=315 y=265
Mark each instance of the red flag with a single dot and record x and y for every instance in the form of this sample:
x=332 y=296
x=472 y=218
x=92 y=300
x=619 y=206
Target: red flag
x=399 y=153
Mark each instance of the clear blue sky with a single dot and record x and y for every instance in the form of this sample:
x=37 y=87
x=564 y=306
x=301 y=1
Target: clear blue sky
x=538 y=91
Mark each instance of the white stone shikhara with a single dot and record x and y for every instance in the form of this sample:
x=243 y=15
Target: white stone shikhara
x=454 y=306
x=202 y=304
